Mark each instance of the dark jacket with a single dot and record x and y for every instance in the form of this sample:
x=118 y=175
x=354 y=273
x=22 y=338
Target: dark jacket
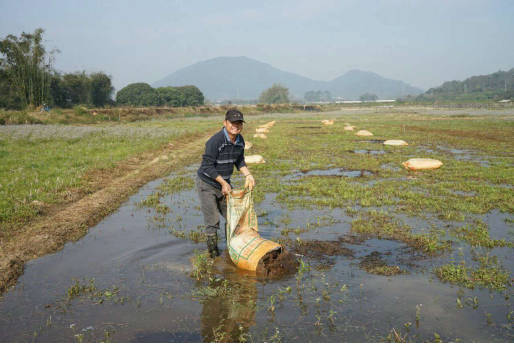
x=221 y=155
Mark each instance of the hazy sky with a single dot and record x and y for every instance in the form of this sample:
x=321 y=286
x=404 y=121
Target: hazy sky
x=423 y=43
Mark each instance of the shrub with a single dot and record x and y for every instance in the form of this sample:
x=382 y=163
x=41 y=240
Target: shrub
x=80 y=111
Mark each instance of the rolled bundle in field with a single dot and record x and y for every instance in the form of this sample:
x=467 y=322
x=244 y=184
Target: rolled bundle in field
x=245 y=246
x=268 y=125
x=327 y=122
x=363 y=133
x=248 y=145
x=261 y=136
x=254 y=159
x=395 y=143
x=261 y=130
x=349 y=127
x=419 y=164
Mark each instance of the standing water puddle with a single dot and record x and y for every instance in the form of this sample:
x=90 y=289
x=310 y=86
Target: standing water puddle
x=458 y=154
x=142 y=292
x=367 y=151
x=370 y=141
x=334 y=172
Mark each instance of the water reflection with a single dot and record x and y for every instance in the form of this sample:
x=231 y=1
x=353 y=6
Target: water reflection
x=228 y=315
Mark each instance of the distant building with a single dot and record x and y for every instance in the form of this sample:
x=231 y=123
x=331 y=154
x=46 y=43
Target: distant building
x=504 y=101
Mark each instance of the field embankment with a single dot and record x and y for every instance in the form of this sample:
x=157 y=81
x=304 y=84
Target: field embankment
x=81 y=115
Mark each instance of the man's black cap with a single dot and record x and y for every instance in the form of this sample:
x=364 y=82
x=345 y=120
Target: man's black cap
x=234 y=116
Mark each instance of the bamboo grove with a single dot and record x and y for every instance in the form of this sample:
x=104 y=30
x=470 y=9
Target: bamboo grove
x=28 y=78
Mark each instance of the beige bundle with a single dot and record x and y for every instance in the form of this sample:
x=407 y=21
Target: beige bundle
x=419 y=164
x=261 y=136
x=363 y=133
x=395 y=143
x=254 y=159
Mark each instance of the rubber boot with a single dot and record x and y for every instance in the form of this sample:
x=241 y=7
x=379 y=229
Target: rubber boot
x=212 y=245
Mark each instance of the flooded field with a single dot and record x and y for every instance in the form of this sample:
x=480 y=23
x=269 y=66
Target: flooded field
x=386 y=254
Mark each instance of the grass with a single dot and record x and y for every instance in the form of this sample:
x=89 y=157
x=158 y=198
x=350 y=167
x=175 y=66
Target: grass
x=488 y=274
x=202 y=265
x=41 y=165
x=176 y=184
x=477 y=235
x=195 y=235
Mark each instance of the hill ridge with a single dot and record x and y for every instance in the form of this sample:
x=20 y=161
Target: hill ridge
x=241 y=77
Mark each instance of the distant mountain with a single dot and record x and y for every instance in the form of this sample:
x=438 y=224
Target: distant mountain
x=244 y=78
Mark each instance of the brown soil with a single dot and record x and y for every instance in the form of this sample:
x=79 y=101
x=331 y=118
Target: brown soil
x=277 y=263
x=374 y=264
x=105 y=191
x=10 y=269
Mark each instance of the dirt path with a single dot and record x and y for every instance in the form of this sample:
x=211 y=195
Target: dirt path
x=109 y=189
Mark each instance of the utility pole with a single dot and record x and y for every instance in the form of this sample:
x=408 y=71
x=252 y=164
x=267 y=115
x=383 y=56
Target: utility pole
x=505 y=85
x=465 y=89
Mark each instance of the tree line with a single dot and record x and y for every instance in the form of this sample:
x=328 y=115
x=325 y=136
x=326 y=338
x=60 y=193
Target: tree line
x=142 y=94
x=368 y=97
x=28 y=79
x=498 y=85
x=318 y=96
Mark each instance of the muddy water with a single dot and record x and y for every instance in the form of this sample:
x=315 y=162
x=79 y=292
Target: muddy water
x=143 y=292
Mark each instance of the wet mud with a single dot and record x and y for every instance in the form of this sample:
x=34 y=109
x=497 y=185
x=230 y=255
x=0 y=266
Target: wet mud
x=278 y=263
x=12 y=268
x=374 y=264
x=320 y=249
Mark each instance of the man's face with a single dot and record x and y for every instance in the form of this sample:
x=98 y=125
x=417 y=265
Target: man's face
x=234 y=128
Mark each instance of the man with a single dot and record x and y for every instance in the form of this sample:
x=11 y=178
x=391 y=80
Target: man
x=223 y=151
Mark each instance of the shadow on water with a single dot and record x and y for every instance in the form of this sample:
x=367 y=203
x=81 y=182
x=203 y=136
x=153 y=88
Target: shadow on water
x=140 y=260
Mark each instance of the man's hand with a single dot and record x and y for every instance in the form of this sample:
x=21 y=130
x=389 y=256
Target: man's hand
x=226 y=189
x=249 y=182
